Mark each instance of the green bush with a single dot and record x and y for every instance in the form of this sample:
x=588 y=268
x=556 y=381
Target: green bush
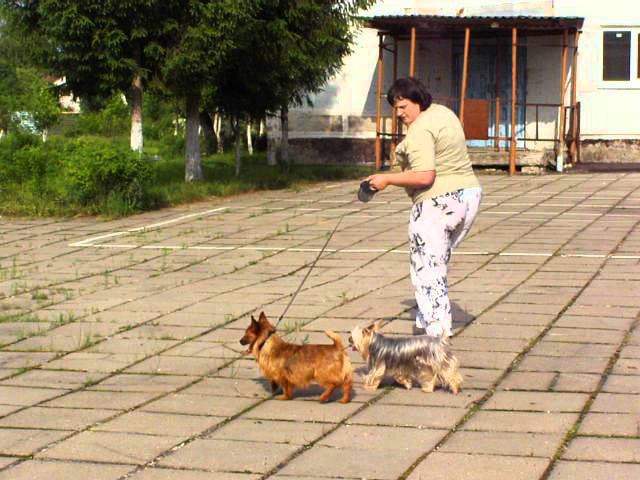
x=92 y=174
x=113 y=120
x=100 y=169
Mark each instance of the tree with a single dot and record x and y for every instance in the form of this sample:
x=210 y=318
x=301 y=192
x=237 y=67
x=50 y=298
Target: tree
x=290 y=49
x=103 y=46
x=25 y=94
x=208 y=33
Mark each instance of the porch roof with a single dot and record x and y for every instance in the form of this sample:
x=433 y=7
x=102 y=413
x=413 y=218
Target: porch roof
x=443 y=24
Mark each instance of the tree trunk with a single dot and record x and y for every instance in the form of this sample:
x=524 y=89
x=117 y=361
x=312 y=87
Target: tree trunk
x=207 y=129
x=136 y=139
x=249 y=140
x=238 y=144
x=217 y=128
x=284 y=145
x=193 y=162
x=274 y=137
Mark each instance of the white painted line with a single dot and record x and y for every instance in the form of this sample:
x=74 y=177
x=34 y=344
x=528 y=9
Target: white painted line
x=87 y=241
x=522 y=254
x=361 y=250
x=177 y=219
x=110 y=245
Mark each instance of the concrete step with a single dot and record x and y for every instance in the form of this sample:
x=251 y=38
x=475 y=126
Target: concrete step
x=491 y=158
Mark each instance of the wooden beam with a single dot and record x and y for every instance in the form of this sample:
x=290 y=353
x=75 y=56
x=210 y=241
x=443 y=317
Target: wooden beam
x=465 y=71
x=497 y=95
x=574 y=101
x=394 y=117
x=378 y=147
x=563 y=81
x=514 y=95
x=412 y=58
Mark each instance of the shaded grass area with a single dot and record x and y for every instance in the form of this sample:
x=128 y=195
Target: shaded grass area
x=166 y=186
x=220 y=179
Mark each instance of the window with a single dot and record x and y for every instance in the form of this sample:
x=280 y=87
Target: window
x=621 y=57
x=616 y=56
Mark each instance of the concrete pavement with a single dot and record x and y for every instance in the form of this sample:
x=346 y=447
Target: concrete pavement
x=119 y=354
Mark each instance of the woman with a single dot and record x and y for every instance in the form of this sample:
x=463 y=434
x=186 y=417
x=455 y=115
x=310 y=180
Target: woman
x=437 y=175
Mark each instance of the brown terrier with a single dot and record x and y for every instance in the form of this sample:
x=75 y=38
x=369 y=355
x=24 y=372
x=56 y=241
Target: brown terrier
x=293 y=366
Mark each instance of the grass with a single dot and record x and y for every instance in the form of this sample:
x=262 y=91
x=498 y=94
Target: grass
x=220 y=179
x=169 y=188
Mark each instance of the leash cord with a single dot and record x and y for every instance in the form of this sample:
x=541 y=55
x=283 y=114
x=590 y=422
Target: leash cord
x=310 y=268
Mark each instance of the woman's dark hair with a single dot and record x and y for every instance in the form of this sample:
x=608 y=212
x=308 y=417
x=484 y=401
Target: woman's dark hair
x=412 y=89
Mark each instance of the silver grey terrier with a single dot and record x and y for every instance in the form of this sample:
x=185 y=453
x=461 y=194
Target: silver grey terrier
x=429 y=360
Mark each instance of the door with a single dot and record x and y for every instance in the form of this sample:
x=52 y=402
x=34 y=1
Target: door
x=481 y=84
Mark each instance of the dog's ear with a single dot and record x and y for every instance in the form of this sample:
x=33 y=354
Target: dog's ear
x=377 y=326
x=253 y=320
x=265 y=323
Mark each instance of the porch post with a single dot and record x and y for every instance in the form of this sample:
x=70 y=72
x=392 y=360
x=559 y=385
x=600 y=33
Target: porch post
x=563 y=81
x=497 y=95
x=394 y=118
x=412 y=58
x=465 y=71
x=574 y=108
x=379 y=103
x=514 y=94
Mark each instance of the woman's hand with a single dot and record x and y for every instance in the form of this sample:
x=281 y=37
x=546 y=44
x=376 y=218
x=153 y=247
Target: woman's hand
x=378 y=181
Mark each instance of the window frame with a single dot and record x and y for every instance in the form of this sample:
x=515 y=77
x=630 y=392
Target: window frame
x=634 y=67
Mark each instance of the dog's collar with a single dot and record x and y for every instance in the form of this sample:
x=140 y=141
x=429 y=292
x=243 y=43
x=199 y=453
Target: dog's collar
x=263 y=343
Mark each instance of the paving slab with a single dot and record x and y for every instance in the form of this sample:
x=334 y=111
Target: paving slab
x=55 y=470
x=604 y=449
x=188 y=474
x=444 y=466
x=611 y=424
x=230 y=455
x=595 y=470
x=26 y=441
x=120 y=355
x=503 y=443
x=111 y=447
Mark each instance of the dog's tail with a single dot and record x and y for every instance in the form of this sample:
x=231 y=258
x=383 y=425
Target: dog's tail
x=337 y=340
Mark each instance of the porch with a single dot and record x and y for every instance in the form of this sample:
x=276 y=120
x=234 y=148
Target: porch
x=494 y=73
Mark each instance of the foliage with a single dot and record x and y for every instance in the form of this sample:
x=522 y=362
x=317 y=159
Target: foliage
x=288 y=50
x=24 y=90
x=87 y=174
x=111 y=121
x=97 y=168
x=97 y=176
x=208 y=35
x=100 y=44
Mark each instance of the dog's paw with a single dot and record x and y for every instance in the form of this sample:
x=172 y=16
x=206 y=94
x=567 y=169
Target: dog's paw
x=370 y=388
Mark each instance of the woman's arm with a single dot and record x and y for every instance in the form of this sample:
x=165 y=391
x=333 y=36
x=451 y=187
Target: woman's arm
x=406 y=179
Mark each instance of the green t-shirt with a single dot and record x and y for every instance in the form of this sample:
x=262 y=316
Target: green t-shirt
x=435 y=141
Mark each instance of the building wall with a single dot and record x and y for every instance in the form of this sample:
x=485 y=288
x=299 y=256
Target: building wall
x=608 y=111
x=346 y=107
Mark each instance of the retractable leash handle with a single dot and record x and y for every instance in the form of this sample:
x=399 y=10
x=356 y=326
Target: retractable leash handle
x=366 y=191
x=311 y=268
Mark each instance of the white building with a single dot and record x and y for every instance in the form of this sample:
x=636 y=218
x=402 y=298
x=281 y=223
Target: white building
x=598 y=90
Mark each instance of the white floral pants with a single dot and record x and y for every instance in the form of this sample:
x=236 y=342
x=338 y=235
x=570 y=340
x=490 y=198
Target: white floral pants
x=436 y=226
